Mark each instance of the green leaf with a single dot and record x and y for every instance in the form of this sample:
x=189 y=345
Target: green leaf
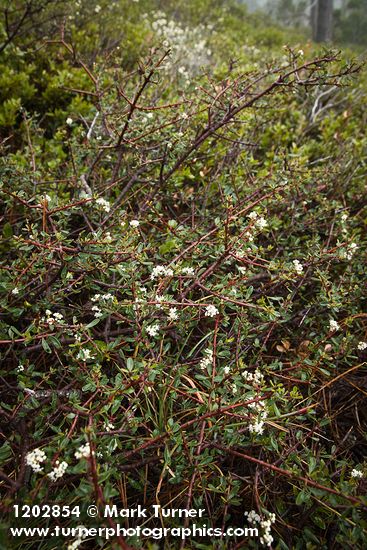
x=45 y=346
x=7 y=230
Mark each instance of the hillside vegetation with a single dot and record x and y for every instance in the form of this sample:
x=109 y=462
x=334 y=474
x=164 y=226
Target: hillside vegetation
x=183 y=294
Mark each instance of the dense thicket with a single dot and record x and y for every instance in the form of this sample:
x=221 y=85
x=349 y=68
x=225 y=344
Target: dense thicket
x=182 y=275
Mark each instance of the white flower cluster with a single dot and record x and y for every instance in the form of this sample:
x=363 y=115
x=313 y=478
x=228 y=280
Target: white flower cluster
x=58 y=471
x=362 y=346
x=159 y=298
x=351 y=250
x=188 y=271
x=35 y=458
x=347 y=253
x=356 y=473
x=188 y=46
x=161 y=271
x=134 y=223
x=53 y=318
x=297 y=266
x=103 y=204
x=109 y=426
x=333 y=325
x=207 y=360
x=257 y=425
x=257 y=407
x=102 y=299
x=211 y=311
x=84 y=354
x=153 y=330
x=15 y=291
x=79 y=540
x=172 y=314
x=256 y=377
x=138 y=302
x=260 y=221
x=84 y=451
x=97 y=312
x=253 y=517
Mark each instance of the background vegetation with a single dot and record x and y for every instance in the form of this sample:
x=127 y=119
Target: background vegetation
x=182 y=278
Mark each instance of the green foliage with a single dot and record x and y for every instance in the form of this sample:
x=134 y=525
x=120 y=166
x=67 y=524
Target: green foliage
x=182 y=277
x=351 y=23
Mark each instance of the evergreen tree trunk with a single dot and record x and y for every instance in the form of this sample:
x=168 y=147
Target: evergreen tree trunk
x=313 y=18
x=323 y=21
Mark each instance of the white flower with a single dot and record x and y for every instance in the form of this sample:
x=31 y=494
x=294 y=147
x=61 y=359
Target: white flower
x=20 y=368
x=265 y=524
x=102 y=297
x=257 y=427
x=58 y=471
x=109 y=426
x=362 y=346
x=153 y=330
x=161 y=271
x=15 y=290
x=135 y=223
x=159 y=299
x=79 y=540
x=253 y=215
x=266 y=539
x=84 y=354
x=333 y=325
x=351 y=250
x=255 y=377
x=207 y=359
x=356 y=473
x=261 y=223
x=97 y=312
x=253 y=517
x=104 y=204
x=69 y=121
x=301 y=53
x=84 y=451
x=35 y=458
x=173 y=315
x=53 y=318
x=211 y=311
x=344 y=217
x=98 y=8
x=226 y=370
x=188 y=271
x=298 y=267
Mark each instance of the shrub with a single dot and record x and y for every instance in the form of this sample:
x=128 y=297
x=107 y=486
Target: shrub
x=183 y=296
